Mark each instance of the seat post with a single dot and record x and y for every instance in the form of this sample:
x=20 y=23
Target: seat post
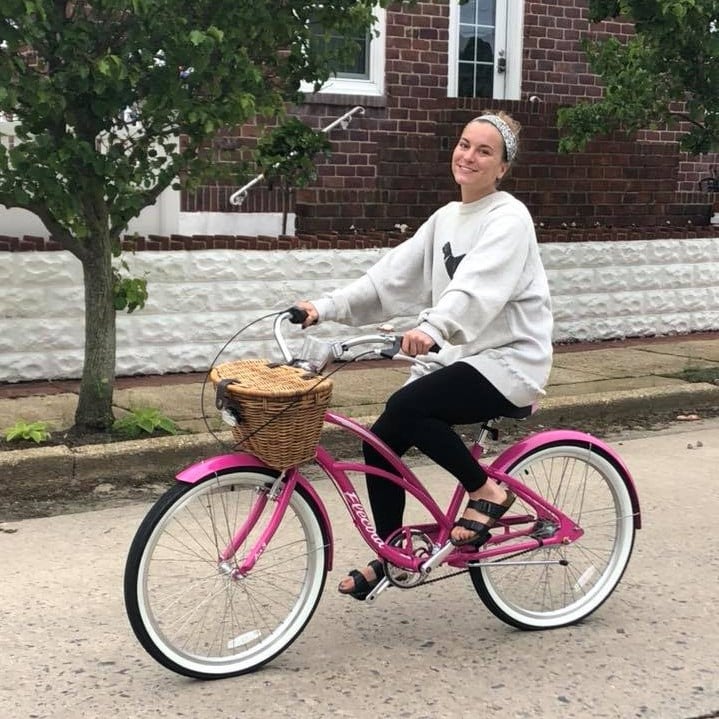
x=487 y=430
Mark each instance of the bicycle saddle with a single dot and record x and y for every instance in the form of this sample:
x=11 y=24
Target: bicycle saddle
x=519 y=412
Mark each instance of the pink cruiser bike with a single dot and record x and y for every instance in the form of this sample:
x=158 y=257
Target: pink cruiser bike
x=228 y=566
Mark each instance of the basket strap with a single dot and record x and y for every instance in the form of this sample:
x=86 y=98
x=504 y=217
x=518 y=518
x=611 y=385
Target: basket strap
x=222 y=397
x=306 y=375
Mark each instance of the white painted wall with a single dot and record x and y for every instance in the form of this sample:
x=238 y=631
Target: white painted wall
x=161 y=218
x=164 y=218
x=200 y=299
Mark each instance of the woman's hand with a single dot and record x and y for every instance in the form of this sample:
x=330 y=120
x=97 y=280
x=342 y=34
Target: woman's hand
x=313 y=316
x=416 y=343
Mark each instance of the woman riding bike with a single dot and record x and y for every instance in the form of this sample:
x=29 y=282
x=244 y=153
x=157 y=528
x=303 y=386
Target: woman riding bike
x=473 y=273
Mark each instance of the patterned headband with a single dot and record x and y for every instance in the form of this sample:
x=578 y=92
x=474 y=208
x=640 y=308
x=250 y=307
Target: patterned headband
x=510 y=139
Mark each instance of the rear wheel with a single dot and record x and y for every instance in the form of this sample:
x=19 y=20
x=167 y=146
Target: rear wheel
x=189 y=610
x=560 y=585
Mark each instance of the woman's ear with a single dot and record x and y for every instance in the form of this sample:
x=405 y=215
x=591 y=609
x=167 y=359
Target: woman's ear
x=502 y=171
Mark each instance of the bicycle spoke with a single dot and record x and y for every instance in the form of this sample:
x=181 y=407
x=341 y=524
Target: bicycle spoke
x=200 y=618
x=585 y=487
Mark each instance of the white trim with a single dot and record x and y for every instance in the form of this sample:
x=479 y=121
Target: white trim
x=501 y=47
x=453 y=49
x=374 y=87
x=515 y=50
x=234 y=223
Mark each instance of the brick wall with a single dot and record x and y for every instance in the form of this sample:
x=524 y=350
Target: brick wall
x=554 y=66
x=391 y=166
x=564 y=233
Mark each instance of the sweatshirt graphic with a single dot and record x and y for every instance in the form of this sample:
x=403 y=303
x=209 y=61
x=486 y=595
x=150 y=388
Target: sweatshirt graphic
x=450 y=262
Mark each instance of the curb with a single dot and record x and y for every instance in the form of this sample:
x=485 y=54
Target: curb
x=627 y=403
x=54 y=472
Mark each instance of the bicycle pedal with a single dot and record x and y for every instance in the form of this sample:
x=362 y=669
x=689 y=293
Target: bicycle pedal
x=383 y=584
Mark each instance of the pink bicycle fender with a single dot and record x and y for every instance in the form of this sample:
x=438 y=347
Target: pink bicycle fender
x=511 y=454
x=226 y=462
x=220 y=463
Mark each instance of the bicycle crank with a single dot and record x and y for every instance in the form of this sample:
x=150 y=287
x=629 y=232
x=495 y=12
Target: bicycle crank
x=416 y=543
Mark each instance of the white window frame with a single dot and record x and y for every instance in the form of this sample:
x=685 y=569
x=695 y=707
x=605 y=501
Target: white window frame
x=508 y=38
x=374 y=86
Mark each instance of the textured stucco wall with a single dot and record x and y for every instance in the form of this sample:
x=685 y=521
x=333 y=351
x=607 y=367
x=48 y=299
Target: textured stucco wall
x=199 y=299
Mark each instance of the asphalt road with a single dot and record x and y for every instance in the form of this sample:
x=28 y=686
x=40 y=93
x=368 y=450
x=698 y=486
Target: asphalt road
x=66 y=649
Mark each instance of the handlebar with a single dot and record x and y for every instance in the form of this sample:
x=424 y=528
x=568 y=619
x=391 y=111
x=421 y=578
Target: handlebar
x=316 y=354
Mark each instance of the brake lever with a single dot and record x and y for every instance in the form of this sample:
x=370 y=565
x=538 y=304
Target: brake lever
x=390 y=352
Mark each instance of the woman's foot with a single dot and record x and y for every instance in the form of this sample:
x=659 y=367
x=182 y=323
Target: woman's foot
x=484 y=508
x=360 y=583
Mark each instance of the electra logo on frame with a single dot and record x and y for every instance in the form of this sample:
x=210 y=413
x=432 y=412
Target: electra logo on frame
x=355 y=506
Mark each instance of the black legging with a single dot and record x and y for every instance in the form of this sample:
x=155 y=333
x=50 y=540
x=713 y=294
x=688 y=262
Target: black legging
x=421 y=415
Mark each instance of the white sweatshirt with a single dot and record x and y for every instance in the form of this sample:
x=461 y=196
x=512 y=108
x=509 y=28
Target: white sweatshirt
x=474 y=275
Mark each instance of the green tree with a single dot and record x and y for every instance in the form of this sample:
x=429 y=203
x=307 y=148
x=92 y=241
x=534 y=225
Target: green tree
x=667 y=73
x=117 y=99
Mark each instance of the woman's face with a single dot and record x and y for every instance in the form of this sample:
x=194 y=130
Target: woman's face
x=477 y=160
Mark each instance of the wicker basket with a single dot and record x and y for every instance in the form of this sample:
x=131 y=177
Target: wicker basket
x=281 y=409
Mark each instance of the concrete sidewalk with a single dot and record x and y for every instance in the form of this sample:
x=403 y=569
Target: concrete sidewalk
x=585 y=378
x=610 y=379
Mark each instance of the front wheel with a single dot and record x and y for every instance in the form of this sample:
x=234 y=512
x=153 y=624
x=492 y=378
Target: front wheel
x=559 y=585
x=189 y=610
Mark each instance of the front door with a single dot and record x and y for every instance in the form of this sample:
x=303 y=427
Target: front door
x=485 y=49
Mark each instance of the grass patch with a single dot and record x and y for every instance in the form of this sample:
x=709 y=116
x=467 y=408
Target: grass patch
x=697 y=374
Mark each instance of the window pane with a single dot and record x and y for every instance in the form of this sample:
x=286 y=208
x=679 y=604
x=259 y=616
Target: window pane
x=478 y=12
x=465 y=80
x=475 y=80
x=485 y=81
x=485 y=46
x=466 y=43
x=475 y=45
x=355 y=68
x=359 y=66
x=486 y=12
x=468 y=12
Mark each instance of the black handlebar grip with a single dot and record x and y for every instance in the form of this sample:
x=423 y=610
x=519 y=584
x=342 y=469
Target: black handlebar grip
x=390 y=352
x=297 y=315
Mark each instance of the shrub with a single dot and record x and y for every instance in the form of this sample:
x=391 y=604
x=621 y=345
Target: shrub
x=31 y=431
x=144 y=421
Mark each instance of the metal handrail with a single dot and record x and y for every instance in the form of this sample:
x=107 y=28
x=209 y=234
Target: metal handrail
x=237 y=198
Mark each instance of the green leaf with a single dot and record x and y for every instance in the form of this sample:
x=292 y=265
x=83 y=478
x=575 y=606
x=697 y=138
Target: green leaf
x=197 y=37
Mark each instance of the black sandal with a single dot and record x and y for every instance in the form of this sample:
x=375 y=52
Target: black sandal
x=362 y=587
x=481 y=529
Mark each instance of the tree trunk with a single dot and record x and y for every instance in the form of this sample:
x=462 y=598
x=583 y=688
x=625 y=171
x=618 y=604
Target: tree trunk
x=94 y=408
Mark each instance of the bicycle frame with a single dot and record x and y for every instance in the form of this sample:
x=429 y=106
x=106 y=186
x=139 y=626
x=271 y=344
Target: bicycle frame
x=514 y=537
